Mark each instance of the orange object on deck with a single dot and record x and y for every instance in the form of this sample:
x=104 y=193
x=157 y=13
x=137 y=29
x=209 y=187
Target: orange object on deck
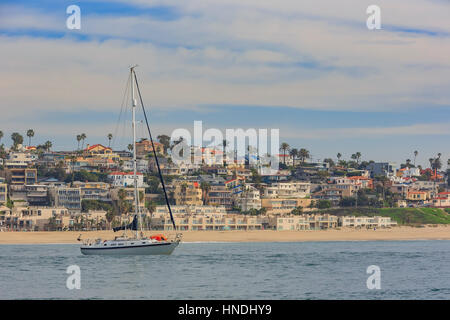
x=159 y=237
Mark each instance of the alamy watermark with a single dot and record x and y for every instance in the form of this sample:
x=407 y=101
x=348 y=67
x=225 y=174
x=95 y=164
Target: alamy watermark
x=374 y=20
x=255 y=146
x=374 y=280
x=74 y=280
x=74 y=20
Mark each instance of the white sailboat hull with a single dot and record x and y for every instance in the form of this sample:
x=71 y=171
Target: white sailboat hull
x=158 y=248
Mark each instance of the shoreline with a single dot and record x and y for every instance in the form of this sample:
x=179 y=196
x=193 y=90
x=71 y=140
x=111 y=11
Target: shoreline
x=440 y=232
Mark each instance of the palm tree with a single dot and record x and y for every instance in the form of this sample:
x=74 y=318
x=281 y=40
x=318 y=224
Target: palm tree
x=303 y=154
x=415 y=156
x=1 y=135
x=224 y=157
x=408 y=162
x=165 y=140
x=130 y=147
x=78 y=139
x=17 y=139
x=358 y=156
x=339 y=155
x=109 y=139
x=83 y=137
x=48 y=145
x=431 y=163
x=284 y=147
x=293 y=153
x=30 y=134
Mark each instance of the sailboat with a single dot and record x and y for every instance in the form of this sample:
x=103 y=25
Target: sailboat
x=137 y=244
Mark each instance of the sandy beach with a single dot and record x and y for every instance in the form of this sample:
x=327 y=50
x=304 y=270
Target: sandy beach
x=441 y=232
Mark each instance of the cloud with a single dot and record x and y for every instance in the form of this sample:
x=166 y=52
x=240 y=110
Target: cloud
x=260 y=53
x=424 y=129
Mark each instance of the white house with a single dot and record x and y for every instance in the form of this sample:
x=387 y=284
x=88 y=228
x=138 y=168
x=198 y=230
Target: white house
x=126 y=179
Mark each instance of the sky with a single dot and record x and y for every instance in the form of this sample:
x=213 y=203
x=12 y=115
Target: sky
x=311 y=69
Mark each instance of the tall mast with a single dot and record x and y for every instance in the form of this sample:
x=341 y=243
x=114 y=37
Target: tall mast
x=133 y=105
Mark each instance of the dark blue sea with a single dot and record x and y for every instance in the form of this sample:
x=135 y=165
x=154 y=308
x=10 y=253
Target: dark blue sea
x=301 y=270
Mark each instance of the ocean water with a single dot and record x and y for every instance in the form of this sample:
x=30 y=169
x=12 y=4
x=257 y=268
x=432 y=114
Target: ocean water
x=302 y=270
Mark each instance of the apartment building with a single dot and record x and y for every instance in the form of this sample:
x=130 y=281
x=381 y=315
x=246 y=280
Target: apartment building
x=297 y=189
x=162 y=211
x=214 y=222
x=37 y=195
x=369 y=222
x=334 y=195
x=282 y=206
x=99 y=191
x=303 y=222
x=21 y=176
x=361 y=181
x=32 y=218
x=126 y=179
x=382 y=169
x=188 y=193
x=249 y=199
x=141 y=165
x=3 y=193
x=442 y=200
x=220 y=195
x=67 y=197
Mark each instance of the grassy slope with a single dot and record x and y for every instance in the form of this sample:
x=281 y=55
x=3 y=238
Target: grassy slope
x=401 y=215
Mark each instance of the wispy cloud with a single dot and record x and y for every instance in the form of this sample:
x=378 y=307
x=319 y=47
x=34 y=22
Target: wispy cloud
x=299 y=54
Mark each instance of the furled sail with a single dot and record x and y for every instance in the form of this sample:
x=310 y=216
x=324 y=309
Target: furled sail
x=132 y=226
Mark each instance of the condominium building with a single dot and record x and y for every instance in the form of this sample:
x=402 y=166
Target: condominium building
x=303 y=222
x=22 y=176
x=66 y=197
x=3 y=193
x=188 y=193
x=162 y=211
x=288 y=190
x=382 y=169
x=126 y=179
x=37 y=195
x=249 y=199
x=369 y=222
x=99 y=191
x=214 y=222
x=220 y=195
x=282 y=206
x=33 y=218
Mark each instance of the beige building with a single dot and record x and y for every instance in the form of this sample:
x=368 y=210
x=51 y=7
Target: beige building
x=369 y=222
x=213 y=222
x=288 y=190
x=3 y=193
x=33 y=218
x=303 y=222
x=415 y=195
x=177 y=210
x=282 y=206
x=188 y=193
x=249 y=199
